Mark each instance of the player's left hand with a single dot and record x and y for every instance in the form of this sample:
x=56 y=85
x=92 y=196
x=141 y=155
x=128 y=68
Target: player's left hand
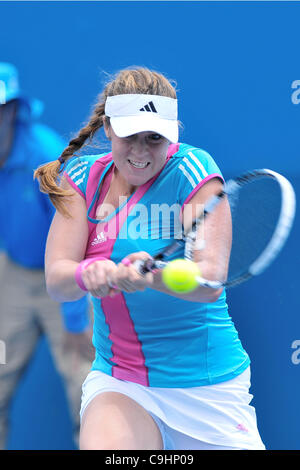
x=127 y=279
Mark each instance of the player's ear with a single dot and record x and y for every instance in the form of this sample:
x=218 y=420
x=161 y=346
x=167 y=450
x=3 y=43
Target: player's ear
x=107 y=127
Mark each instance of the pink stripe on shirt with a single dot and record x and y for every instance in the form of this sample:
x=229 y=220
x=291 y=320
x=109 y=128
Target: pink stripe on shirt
x=126 y=347
x=74 y=186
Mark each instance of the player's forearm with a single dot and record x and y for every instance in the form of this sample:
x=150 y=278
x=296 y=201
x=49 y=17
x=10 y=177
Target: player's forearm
x=200 y=294
x=60 y=281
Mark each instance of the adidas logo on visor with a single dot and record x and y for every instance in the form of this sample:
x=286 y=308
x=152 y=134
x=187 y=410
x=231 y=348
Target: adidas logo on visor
x=149 y=107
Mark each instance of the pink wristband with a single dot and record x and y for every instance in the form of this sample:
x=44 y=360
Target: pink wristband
x=81 y=267
x=126 y=261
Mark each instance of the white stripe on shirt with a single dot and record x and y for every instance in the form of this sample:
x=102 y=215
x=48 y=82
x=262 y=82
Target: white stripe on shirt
x=80 y=180
x=197 y=161
x=78 y=173
x=191 y=166
x=76 y=166
x=187 y=175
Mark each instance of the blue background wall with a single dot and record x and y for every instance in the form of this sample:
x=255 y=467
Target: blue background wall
x=234 y=63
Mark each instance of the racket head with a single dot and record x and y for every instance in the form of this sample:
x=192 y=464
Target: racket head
x=262 y=205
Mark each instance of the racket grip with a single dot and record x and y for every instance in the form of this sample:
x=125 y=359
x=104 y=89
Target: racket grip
x=148 y=266
x=111 y=285
x=143 y=267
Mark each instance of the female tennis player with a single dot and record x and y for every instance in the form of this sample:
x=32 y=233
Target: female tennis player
x=170 y=371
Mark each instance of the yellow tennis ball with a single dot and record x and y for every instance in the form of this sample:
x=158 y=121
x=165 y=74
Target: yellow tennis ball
x=180 y=275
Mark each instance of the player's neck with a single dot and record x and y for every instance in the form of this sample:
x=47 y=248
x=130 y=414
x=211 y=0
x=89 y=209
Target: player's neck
x=122 y=184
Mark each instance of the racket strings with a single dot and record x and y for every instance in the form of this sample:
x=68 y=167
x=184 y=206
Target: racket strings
x=255 y=210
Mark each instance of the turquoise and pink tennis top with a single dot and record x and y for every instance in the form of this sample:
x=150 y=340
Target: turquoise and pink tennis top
x=149 y=337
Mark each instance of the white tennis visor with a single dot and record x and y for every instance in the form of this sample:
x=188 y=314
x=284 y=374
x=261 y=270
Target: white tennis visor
x=130 y=114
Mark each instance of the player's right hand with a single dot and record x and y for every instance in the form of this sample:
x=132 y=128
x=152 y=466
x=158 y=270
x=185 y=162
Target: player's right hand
x=97 y=278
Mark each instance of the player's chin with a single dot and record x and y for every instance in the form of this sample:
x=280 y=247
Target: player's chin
x=137 y=177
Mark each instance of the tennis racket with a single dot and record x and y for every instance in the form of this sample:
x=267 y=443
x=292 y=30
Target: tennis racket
x=262 y=205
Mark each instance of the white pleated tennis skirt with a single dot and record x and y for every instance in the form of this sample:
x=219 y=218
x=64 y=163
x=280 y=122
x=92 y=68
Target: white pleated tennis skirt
x=208 y=417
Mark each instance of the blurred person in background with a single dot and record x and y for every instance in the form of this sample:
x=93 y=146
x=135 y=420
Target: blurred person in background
x=26 y=310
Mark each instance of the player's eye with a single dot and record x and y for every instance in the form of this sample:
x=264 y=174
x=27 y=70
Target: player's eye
x=155 y=137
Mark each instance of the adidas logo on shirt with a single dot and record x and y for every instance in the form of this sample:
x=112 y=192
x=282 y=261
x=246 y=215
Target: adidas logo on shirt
x=99 y=239
x=149 y=107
